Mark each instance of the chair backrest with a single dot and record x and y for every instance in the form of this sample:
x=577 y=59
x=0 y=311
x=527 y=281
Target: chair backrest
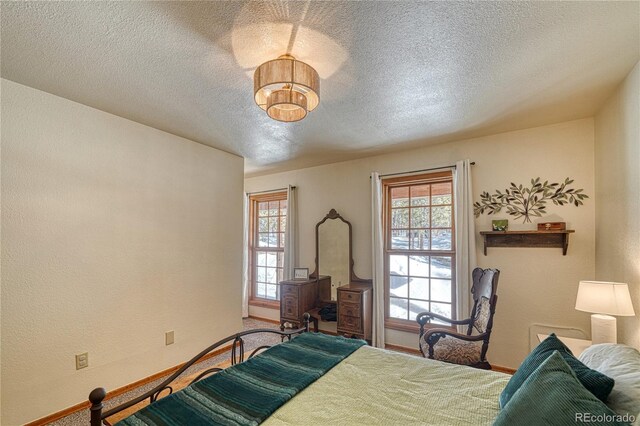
x=484 y=291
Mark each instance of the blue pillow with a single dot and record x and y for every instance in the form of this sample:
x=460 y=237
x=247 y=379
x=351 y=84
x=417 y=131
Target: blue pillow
x=552 y=395
x=596 y=383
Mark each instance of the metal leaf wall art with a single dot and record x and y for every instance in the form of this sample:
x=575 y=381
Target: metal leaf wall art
x=528 y=202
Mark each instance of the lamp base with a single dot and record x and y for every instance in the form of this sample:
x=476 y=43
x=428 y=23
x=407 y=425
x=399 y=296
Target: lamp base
x=603 y=329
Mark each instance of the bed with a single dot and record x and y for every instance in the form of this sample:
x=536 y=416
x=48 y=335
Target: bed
x=365 y=386
x=317 y=379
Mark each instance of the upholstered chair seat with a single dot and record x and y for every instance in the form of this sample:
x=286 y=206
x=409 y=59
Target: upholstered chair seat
x=456 y=351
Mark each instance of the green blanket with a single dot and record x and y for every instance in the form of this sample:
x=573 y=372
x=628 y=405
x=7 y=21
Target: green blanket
x=248 y=393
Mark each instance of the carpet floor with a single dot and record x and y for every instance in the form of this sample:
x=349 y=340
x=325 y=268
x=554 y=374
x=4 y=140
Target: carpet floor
x=251 y=342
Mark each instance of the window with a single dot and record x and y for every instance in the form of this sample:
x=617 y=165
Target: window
x=268 y=213
x=419 y=248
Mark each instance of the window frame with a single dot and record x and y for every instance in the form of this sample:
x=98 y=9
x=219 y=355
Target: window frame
x=411 y=325
x=253 y=248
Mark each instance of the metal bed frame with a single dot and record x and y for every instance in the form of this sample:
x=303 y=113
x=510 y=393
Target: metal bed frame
x=96 y=397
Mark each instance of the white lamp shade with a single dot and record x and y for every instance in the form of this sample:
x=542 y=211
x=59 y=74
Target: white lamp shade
x=604 y=298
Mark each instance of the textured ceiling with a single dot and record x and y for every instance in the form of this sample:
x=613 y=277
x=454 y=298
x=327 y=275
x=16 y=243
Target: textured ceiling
x=395 y=75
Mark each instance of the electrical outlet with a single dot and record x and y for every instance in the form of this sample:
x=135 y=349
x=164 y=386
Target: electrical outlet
x=82 y=360
x=168 y=338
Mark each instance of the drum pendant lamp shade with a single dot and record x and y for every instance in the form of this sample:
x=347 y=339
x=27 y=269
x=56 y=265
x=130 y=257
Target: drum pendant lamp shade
x=286 y=88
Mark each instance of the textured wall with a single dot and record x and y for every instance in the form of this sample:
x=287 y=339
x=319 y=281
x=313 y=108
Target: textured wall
x=617 y=135
x=536 y=285
x=112 y=234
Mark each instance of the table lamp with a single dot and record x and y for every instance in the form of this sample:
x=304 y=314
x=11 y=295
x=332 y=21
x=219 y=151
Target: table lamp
x=604 y=299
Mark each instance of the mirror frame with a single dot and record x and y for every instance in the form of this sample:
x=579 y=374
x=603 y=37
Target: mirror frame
x=353 y=278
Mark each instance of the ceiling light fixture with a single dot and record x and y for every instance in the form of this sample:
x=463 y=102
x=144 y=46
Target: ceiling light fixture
x=286 y=88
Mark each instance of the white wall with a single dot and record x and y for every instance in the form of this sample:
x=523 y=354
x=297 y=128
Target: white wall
x=617 y=136
x=112 y=233
x=536 y=285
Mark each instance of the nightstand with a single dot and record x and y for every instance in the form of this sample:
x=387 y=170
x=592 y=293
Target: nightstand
x=577 y=346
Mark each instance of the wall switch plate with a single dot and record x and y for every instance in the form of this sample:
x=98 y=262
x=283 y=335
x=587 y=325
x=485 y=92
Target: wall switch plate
x=168 y=338
x=82 y=360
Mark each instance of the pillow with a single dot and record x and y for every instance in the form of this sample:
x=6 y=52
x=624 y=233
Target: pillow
x=597 y=383
x=622 y=363
x=552 y=395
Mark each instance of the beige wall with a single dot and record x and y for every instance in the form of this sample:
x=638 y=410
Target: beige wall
x=617 y=136
x=536 y=285
x=112 y=234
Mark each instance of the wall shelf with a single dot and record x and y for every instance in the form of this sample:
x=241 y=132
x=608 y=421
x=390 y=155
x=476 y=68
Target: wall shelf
x=542 y=239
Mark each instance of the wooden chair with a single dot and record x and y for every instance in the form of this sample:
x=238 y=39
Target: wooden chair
x=447 y=345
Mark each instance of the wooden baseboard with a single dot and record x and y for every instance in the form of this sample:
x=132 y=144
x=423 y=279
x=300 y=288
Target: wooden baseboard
x=506 y=370
x=404 y=349
x=265 y=319
x=119 y=391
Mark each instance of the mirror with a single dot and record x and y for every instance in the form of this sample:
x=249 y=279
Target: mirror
x=333 y=253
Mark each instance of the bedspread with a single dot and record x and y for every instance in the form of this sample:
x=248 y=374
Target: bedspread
x=377 y=387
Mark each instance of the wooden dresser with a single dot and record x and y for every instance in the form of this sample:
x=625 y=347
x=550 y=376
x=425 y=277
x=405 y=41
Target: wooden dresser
x=298 y=297
x=355 y=305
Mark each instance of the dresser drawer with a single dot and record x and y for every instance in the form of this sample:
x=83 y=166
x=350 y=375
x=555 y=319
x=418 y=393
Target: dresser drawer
x=349 y=309
x=288 y=289
x=289 y=307
x=349 y=323
x=348 y=296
